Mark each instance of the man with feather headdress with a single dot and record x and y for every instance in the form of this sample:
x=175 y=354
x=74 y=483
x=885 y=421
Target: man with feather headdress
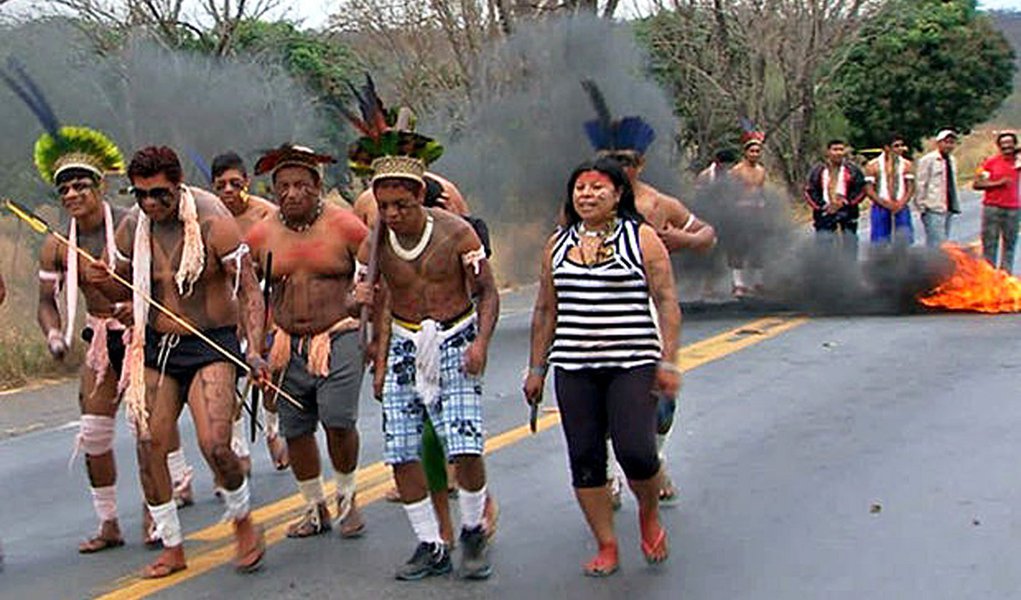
x=315 y=346
x=441 y=193
x=77 y=160
x=745 y=264
x=626 y=140
x=438 y=288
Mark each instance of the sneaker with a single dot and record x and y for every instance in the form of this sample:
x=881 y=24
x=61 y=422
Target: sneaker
x=475 y=554
x=428 y=560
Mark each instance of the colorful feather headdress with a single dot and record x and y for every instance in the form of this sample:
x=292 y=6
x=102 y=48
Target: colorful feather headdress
x=388 y=147
x=61 y=148
x=750 y=134
x=292 y=155
x=607 y=134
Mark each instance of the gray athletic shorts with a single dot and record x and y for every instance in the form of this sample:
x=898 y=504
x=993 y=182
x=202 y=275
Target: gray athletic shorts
x=331 y=400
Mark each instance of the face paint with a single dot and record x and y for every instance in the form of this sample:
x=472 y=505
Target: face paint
x=592 y=177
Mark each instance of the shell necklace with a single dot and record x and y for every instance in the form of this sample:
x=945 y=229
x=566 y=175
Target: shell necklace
x=410 y=255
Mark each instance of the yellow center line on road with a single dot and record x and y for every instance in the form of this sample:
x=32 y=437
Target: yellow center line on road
x=213 y=546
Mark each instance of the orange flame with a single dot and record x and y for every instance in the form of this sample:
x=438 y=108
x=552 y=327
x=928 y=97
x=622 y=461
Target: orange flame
x=974 y=286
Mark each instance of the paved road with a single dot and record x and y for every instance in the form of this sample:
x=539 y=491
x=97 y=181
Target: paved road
x=831 y=457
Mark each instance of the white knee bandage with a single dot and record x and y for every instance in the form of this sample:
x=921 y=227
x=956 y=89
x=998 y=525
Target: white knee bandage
x=95 y=434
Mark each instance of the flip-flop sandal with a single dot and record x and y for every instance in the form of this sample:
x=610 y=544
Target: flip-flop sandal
x=160 y=569
x=601 y=565
x=98 y=544
x=657 y=551
x=250 y=563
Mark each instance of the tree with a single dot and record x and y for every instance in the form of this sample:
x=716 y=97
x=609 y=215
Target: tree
x=109 y=22
x=930 y=64
x=771 y=61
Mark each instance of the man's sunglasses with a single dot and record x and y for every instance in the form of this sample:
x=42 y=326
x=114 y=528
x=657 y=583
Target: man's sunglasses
x=159 y=194
x=77 y=186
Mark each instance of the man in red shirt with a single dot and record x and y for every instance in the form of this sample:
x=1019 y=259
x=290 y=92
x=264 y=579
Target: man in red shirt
x=998 y=178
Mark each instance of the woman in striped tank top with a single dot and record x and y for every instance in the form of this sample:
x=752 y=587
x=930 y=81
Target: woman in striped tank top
x=605 y=277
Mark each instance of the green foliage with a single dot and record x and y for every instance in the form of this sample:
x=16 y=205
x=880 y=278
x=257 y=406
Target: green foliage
x=322 y=63
x=925 y=64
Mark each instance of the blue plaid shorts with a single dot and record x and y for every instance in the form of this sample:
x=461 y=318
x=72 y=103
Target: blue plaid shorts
x=456 y=415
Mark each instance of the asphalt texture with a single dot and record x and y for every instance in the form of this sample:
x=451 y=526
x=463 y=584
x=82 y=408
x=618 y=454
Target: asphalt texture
x=848 y=457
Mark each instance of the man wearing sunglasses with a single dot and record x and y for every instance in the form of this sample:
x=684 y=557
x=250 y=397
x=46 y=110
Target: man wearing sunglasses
x=230 y=182
x=186 y=250
x=890 y=183
x=77 y=169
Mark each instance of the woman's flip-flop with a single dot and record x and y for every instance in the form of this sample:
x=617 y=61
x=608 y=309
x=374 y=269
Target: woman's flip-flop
x=603 y=564
x=657 y=551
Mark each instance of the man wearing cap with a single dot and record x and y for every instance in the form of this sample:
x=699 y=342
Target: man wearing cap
x=432 y=265
x=998 y=179
x=936 y=189
x=230 y=182
x=186 y=251
x=890 y=183
x=750 y=175
x=315 y=351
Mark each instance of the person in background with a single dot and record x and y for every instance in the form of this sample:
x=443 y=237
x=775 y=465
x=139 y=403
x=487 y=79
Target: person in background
x=998 y=180
x=936 y=197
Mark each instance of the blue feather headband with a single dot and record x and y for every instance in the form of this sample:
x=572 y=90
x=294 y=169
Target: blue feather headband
x=606 y=133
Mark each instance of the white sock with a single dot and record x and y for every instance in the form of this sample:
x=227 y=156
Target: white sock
x=177 y=464
x=423 y=521
x=345 y=484
x=238 y=440
x=739 y=277
x=168 y=526
x=312 y=490
x=104 y=500
x=472 y=505
x=758 y=277
x=238 y=502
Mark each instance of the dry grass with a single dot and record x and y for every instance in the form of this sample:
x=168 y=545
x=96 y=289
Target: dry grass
x=23 y=354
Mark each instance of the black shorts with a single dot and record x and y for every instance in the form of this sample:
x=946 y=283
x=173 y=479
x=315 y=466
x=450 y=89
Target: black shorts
x=182 y=356
x=114 y=348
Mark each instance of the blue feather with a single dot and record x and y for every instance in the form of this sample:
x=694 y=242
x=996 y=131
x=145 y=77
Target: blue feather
x=633 y=133
x=599 y=136
x=32 y=96
x=200 y=164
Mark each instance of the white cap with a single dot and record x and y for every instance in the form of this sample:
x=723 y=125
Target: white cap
x=945 y=133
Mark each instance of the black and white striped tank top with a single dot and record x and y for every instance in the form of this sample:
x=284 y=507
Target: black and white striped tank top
x=604 y=314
